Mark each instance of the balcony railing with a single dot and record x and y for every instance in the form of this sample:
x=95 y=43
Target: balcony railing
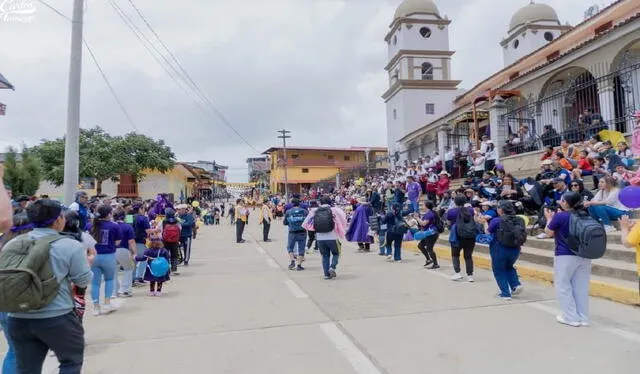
x=321 y=163
x=128 y=190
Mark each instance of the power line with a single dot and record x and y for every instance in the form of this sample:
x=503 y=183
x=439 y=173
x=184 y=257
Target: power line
x=186 y=75
x=95 y=61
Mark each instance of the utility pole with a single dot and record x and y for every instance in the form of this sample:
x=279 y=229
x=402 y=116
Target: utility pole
x=72 y=137
x=284 y=138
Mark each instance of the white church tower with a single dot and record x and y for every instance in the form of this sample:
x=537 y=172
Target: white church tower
x=531 y=28
x=420 y=86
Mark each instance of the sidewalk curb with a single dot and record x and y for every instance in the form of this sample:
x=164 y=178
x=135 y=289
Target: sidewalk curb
x=599 y=289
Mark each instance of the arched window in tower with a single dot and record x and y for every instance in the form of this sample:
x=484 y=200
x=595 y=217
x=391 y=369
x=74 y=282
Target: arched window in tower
x=427 y=71
x=548 y=36
x=425 y=32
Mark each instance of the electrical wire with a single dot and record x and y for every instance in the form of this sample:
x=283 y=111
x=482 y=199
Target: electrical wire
x=95 y=61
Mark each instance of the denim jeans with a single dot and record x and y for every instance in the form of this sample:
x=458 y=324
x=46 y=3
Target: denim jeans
x=141 y=267
x=123 y=258
x=33 y=338
x=186 y=247
x=330 y=251
x=299 y=239
x=502 y=261
x=394 y=240
x=382 y=240
x=571 y=280
x=606 y=214
x=103 y=265
x=414 y=206
x=9 y=364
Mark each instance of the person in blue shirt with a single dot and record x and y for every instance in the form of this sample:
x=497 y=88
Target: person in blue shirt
x=56 y=326
x=187 y=221
x=503 y=258
x=294 y=217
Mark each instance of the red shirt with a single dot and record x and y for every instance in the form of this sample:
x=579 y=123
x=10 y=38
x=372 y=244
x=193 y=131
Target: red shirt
x=583 y=164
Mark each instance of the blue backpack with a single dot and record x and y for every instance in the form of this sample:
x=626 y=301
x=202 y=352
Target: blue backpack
x=295 y=217
x=159 y=266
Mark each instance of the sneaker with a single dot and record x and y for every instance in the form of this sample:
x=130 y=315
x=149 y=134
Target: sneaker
x=390 y=258
x=542 y=236
x=332 y=273
x=96 y=311
x=609 y=228
x=434 y=266
x=428 y=263
x=299 y=268
x=560 y=319
x=327 y=277
x=125 y=294
x=456 y=277
x=158 y=293
x=292 y=265
x=470 y=279
x=584 y=324
x=151 y=293
x=381 y=254
x=108 y=309
x=517 y=290
x=397 y=261
x=504 y=298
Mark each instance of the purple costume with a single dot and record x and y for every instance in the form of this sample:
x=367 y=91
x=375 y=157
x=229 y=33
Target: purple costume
x=359 y=228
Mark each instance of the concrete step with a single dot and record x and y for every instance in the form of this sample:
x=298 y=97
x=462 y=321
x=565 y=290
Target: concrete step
x=615 y=251
x=606 y=267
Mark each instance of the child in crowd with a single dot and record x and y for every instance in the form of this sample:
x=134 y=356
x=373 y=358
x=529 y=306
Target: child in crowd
x=156 y=250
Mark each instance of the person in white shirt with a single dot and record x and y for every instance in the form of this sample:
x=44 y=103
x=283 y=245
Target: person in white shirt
x=605 y=205
x=484 y=143
x=448 y=160
x=490 y=155
x=478 y=164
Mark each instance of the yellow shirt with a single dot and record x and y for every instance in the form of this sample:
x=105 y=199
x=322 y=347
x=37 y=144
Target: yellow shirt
x=241 y=214
x=634 y=238
x=266 y=213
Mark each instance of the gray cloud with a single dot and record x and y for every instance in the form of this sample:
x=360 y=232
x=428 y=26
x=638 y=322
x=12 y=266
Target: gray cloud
x=314 y=67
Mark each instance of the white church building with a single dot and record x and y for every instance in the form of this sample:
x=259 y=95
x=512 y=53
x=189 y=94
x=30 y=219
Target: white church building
x=554 y=76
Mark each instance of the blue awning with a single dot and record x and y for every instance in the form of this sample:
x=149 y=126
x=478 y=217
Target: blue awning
x=4 y=83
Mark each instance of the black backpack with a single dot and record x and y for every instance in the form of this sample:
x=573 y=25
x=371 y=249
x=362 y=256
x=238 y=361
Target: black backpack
x=323 y=220
x=511 y=231
x=465 y=229
x=587 y=238
x=439 y=225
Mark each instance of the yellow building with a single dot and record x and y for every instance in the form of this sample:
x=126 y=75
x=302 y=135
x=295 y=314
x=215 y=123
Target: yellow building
x=309 y=165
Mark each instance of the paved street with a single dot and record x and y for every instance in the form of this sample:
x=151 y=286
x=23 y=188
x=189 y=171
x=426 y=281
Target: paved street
x=237 y=309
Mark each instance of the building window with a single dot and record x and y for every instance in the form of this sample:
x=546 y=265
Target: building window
x=425 y=32
x=330 y=157
x=347 y=158
x=305 y=170
x=395 y=40
x=548 y=36
x=516 y=44
x=430 y=108
x=427 y=71
x=395 y=114
x=294 y=156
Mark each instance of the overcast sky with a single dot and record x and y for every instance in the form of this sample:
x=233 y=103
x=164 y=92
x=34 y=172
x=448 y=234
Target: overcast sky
x=314 y=67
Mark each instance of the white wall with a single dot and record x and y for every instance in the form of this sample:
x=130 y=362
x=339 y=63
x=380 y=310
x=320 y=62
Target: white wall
x=414 y=114
x=395 y=127
x=528 y=43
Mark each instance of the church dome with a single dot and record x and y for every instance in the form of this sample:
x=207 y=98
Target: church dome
x=408 y=7
x=533 y=13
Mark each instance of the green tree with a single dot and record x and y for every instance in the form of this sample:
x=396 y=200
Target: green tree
x=22 y=171
x=104 y=157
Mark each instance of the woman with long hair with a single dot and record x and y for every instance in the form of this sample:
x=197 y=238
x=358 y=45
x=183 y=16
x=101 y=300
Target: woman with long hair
x=108 y=236
x=571 y=272
x=605 y=205
x=429 y=223
x=463 y=219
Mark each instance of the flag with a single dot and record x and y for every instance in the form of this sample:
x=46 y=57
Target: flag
x=4 y=83
x=3 y=109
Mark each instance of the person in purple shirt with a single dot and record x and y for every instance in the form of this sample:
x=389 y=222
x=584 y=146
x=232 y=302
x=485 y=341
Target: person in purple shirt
x=414 y=190
x=107 y=235
x=502 y=257
x=140 y=226
x=429 y=224
x=571 y=272
x=125 y=252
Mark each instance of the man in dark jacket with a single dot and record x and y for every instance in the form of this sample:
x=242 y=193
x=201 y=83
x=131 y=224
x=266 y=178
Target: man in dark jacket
x=187 y=221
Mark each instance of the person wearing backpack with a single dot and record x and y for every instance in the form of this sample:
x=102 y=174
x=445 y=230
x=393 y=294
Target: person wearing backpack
x=156 y=260
x=578 y=238
x=466 y=230
x=330 y=224
x=141 y=225
x=432 y=224
x=294 y=218
x=509 y=234
x=170 y=239
x=35 y=330
x=396 y=228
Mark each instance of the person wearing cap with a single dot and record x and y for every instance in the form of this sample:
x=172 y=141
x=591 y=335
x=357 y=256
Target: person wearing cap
x=56 y=326
x=23 y=201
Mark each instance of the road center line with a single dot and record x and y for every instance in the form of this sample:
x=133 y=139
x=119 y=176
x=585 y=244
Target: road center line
x=358 y=360
x=628 y=335
x=272 y=264
x=295 y=290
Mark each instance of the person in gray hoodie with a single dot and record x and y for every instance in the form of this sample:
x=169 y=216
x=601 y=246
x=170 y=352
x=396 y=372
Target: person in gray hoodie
x=56 y=326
